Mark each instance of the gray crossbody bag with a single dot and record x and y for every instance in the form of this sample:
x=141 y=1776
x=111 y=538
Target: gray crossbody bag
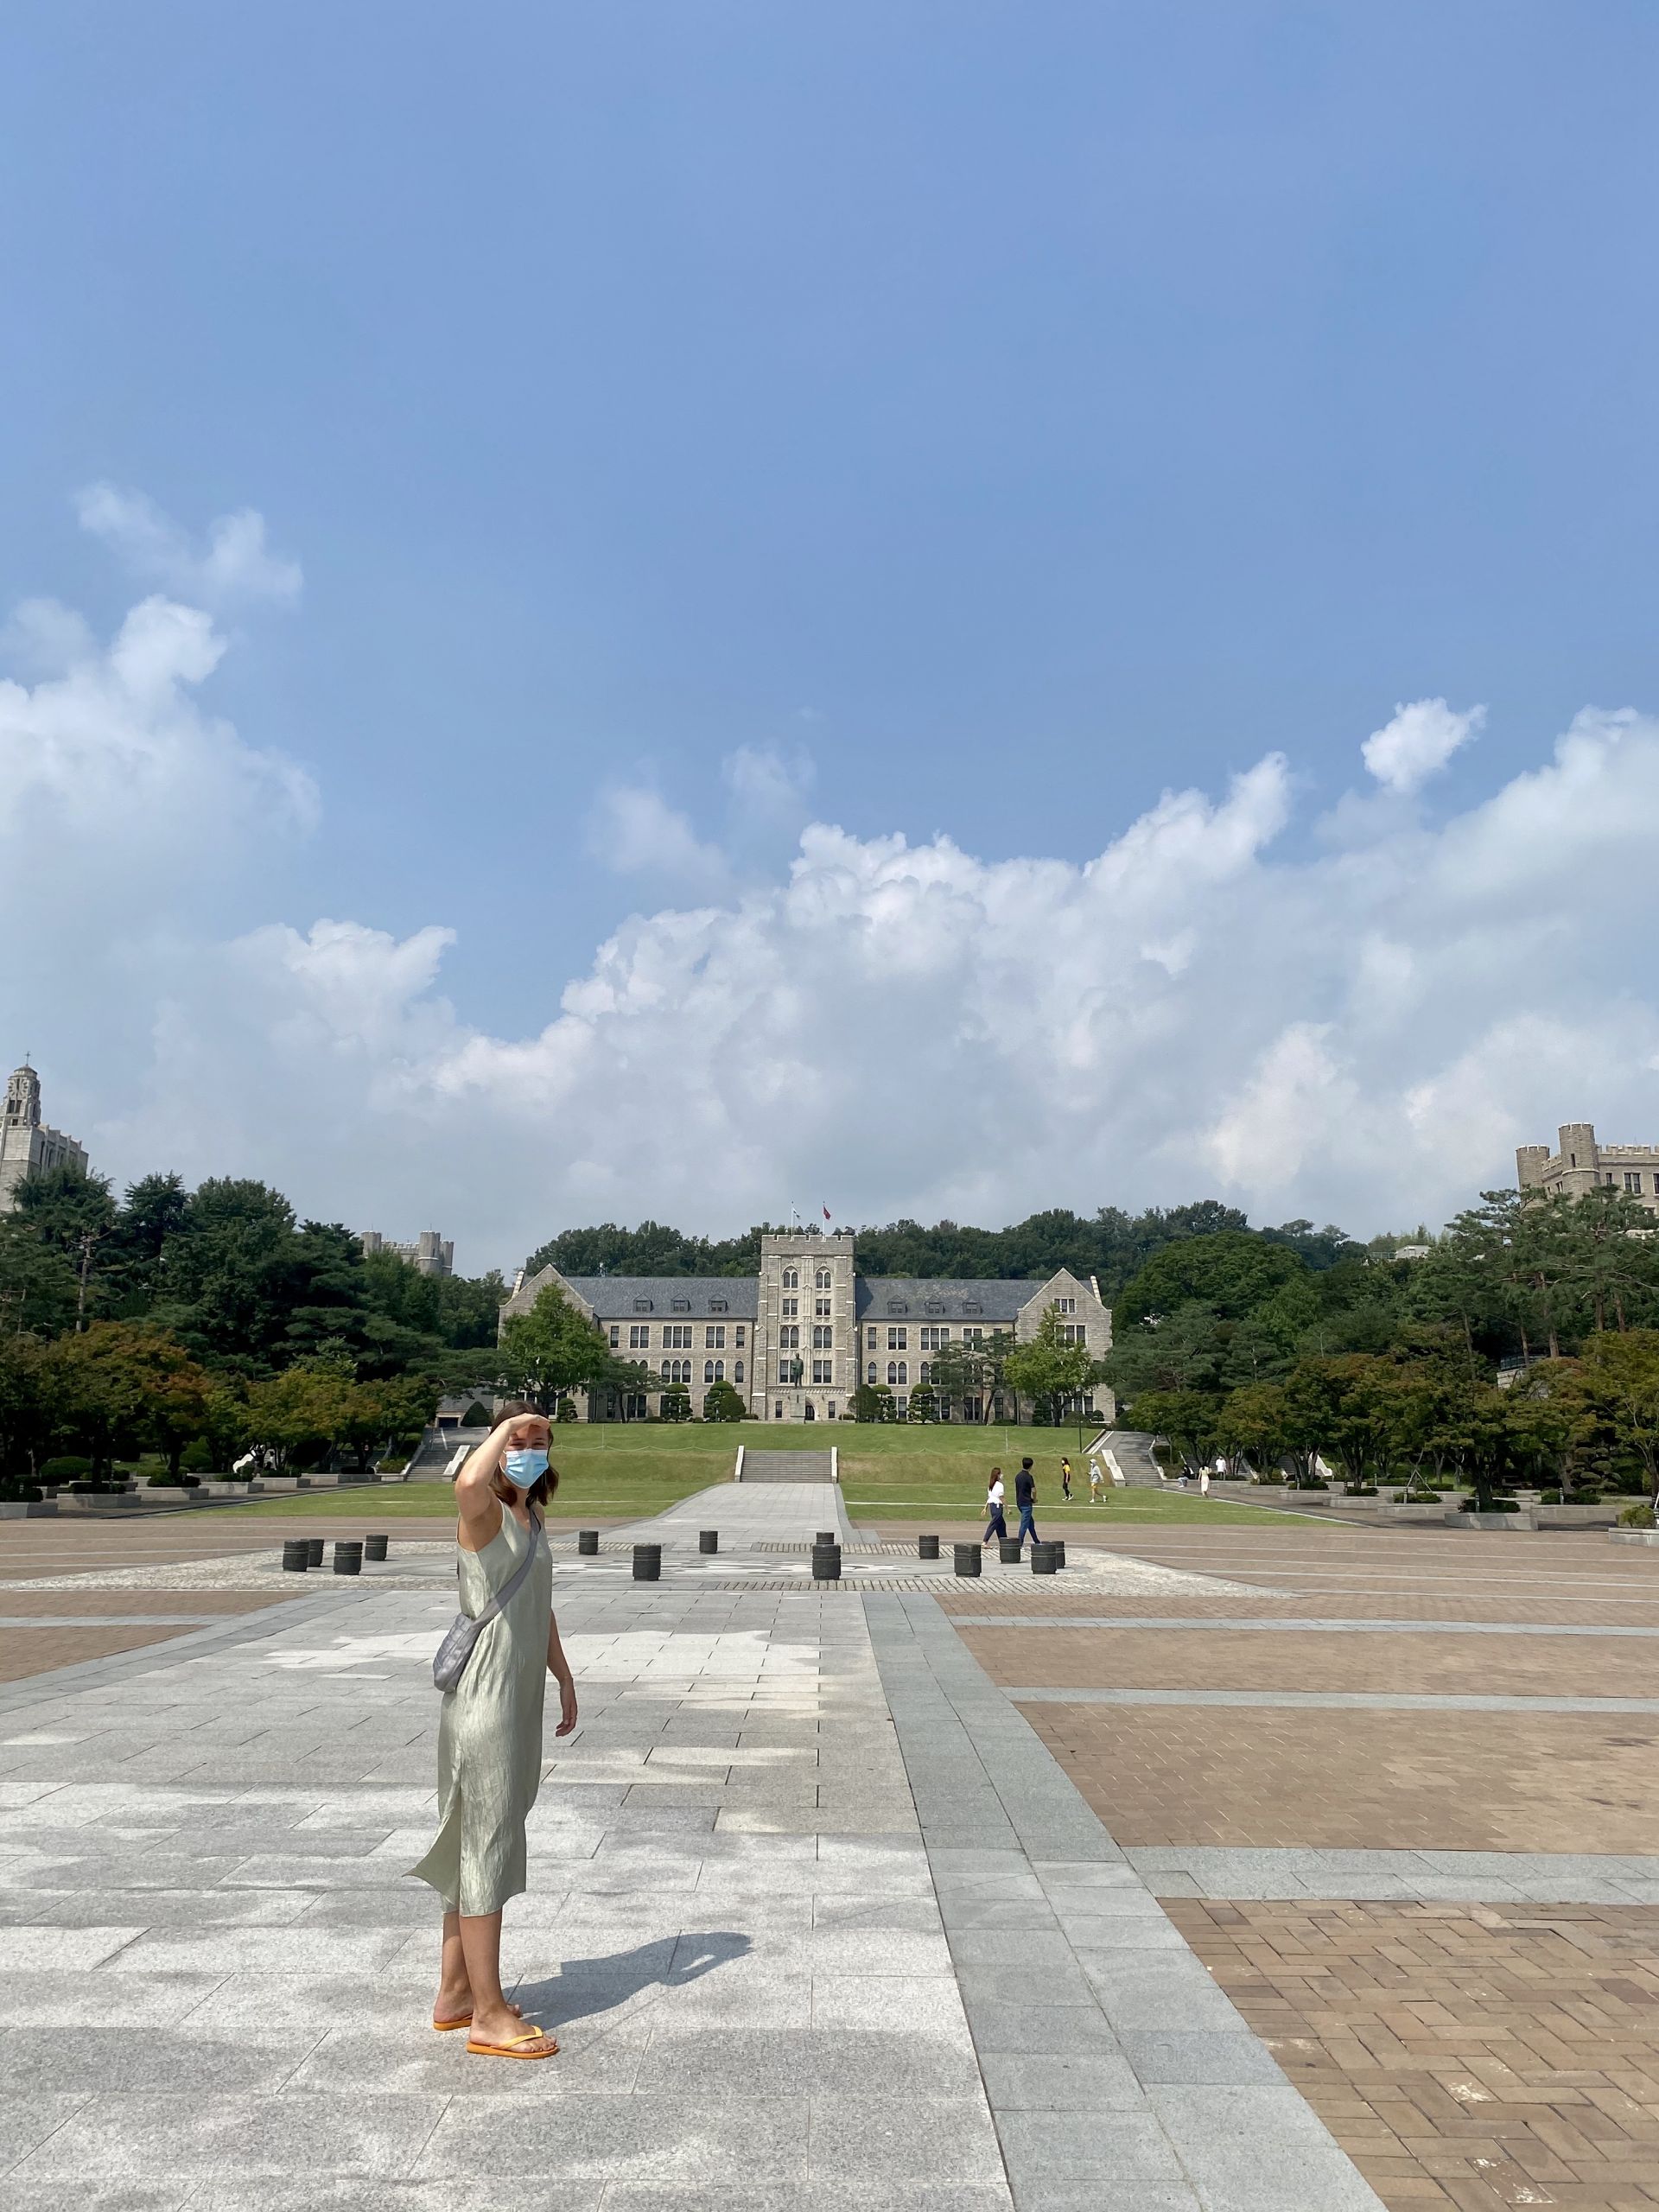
x=449 y=1664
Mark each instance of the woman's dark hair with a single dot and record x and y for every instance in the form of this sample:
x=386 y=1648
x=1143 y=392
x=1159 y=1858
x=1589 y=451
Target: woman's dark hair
x=521 y=1409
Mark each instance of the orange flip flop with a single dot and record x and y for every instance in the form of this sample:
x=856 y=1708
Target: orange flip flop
x=510 y=2048
x=463 y=2020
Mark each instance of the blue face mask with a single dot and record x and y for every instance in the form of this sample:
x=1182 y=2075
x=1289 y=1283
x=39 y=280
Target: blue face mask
x=524 y=1465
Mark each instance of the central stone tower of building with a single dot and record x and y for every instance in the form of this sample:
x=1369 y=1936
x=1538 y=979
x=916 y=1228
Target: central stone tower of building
x=806 y=1329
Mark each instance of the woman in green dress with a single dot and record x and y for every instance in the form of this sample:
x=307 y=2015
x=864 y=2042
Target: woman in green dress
x=490 y=1734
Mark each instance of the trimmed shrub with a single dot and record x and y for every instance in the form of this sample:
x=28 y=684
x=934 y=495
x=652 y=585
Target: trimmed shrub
x=16 y=1492
x=73 y=1469
x=1636 y=1517
x=197 y=1458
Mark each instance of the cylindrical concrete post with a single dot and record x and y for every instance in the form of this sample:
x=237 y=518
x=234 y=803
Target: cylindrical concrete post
x=374 y=1546
x=927 y=1547
x=647 y=1562
x=588 y=1543
x=296 y=1555
x=826 y=1562
x=348 y=1558
x=1008 y=1550
x=1042 y=1559
x=708 y=1540
x=313 y=1551
x=1057 y=1545
x=967 y=1558
x=826 y=1536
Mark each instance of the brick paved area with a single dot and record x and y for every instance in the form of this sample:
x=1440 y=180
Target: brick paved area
x=1484 y=1782
x=1472 y=2053
x=1473 y=2056
x=37 y=1650
x=1538 y=1666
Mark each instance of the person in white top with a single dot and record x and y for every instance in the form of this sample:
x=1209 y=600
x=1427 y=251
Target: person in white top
x=996 y=1525
x=1096 y=1481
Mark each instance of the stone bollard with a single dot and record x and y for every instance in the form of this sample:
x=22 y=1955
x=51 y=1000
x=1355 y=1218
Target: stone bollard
x=296 y=1555
x=826 y=1562
x=967 y=1558
x=708 y=1540
x=374 y=1546
x=588 y=1543
x=313 y=1551
x=1042 y=1559
x=1057 y=1545
x=927 y=1547
x=647 y=1562
x=826 y=1536
x=348 y=1558
x=1008 y=1550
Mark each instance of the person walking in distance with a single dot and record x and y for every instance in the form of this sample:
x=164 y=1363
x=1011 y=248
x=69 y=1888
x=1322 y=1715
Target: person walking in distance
x=1025 y=1496
x=1097 y=1480
x=1065 y=1480
x=490 y=1729
x=995 y=1524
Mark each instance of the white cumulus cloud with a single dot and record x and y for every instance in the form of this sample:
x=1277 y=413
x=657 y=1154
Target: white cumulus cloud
x=232 y=565
x=1417 y=744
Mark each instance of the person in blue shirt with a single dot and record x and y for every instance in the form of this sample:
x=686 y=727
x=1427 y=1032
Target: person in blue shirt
x=1025 y=1496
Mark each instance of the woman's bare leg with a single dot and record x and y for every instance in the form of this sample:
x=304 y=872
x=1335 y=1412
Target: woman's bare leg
x=493 y=2019
x=454 y=1991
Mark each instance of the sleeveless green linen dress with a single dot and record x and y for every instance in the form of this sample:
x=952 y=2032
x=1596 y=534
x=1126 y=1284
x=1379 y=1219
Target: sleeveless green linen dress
x=490 y=1731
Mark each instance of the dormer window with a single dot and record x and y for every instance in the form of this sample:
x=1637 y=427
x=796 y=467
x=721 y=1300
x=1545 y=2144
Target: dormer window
x=717 y=1305
x=933 y=1305
x=679 y=1305
x=972 y=1305
x=898 y=1305
x=642 y=1305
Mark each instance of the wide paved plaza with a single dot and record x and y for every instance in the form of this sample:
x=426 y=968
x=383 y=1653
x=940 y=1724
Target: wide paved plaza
x=1276 y=1870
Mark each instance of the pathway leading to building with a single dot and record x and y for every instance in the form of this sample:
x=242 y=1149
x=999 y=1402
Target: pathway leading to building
x=821 y=1924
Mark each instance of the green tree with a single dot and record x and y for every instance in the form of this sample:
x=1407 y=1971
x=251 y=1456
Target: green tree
x=1187 y=1419
x=675 y=1403
x=1049 y=1368
x=1621 y=1373
x=116 y=1385
x=922 y=1405
x=1233 y=1273
x=298 y=1415
x=873 y=1401
x=554 y=1350
x=722 y=1402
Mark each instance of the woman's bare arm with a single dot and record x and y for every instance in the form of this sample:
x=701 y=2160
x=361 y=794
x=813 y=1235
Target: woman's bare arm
x=559 y=1667
x=476 y=1499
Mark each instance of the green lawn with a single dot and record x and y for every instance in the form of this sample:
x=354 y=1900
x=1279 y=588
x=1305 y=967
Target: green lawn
x=899 y=1473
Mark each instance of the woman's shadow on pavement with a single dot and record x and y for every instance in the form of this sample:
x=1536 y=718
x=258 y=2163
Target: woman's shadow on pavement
x=585 y=1987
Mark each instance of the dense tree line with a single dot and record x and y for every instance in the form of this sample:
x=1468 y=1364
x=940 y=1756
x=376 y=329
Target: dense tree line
x=1110 y=1244
x=191 y=1323
x=1522 y=1348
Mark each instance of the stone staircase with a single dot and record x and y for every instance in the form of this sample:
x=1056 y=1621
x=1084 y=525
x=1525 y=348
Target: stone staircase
x=786 y=1467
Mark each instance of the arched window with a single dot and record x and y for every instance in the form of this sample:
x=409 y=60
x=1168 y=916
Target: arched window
x=904 y=1370
x=791 y=1279
x=821 y=1281
x=667 y=1366
x=720 y=1370
x=708 y=1371
x=892 y=1370
x=869 y=1374
x=737 y=1372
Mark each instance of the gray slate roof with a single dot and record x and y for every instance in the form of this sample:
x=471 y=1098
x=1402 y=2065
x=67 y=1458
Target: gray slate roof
x=613 y=1297
x=996 y=1302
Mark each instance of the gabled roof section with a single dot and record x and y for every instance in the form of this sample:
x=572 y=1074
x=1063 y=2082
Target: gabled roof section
x=999 y=1300
x=668 y=1298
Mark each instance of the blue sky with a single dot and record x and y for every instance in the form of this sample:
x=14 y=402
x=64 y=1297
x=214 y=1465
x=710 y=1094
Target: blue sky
x=986 y=418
